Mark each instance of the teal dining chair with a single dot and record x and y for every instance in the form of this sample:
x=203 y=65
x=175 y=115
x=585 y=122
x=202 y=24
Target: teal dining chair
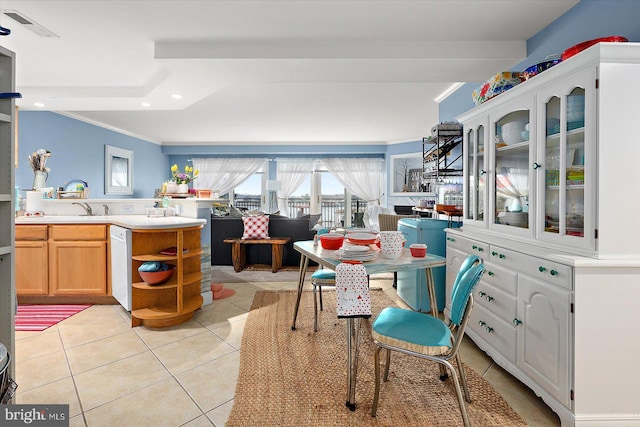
x=321 y=277
x=428 y=337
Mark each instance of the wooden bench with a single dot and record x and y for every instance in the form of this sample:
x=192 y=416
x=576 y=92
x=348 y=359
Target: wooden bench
x=239 y=251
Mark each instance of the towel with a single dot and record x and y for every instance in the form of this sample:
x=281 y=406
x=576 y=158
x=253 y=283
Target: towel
x=352 y=291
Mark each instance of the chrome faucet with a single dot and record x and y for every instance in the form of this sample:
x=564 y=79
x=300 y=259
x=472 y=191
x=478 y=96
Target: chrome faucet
x=84 y=206
x=106 y=209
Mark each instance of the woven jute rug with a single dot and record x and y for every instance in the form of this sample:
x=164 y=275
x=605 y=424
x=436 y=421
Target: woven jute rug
x=299 y=378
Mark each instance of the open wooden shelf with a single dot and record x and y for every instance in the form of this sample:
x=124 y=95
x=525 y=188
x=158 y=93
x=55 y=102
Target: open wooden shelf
x=174 y=302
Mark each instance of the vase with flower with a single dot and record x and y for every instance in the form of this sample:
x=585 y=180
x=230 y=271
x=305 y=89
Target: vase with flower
x=182 y=179
x=38 y=161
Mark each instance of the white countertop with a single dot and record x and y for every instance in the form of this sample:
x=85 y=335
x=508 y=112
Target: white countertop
x=127 y=221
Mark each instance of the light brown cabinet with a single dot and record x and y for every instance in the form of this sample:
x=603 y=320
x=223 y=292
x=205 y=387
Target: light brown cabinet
x=32 y=268
x=175 y=301
x=62 y=260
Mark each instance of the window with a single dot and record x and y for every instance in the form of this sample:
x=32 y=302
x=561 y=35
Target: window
x=118 y=171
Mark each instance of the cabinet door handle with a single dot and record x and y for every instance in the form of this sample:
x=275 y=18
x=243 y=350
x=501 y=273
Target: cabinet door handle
x=501 y=256
x=490 y=273
x=474 y=247
x=489 y=329
x=482 y=172
x=451 y=239
x=494 y=253
x=541 y=269
x=481 y=294
x=489 y=298
x=536 y=165
x=553 y=272
x=517 y=322
x=481 y=323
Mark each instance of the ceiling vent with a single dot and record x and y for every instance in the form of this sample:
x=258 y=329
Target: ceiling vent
x=29 y=24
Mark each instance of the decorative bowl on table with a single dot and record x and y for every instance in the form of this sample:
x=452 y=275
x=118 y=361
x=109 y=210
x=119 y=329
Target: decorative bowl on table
x=331 y=241
x=156 y=273
x=361 y=238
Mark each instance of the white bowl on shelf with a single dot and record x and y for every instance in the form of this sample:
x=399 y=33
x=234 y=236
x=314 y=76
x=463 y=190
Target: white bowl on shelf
x=512 y=131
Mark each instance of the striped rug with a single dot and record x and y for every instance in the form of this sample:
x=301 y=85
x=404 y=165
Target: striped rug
x=40 y=317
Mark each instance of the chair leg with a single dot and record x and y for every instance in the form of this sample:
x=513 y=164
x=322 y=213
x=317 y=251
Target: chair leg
x=320 y=292
x=395 y=280
x=463 y=379
x=376 y=393
x=315 y=310
x=456 y=383
x=387 y=364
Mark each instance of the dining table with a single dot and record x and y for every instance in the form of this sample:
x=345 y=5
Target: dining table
x=379 y=264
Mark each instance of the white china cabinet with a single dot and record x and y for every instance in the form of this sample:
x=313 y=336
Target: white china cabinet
x=550 y=187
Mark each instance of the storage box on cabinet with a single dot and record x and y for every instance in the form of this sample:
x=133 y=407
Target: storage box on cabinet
x=549 y=271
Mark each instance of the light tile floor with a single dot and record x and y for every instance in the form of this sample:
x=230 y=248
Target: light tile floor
x=112 y=374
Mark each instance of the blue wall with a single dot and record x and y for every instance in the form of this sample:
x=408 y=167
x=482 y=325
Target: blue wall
x=78 y=153
x=587 y=20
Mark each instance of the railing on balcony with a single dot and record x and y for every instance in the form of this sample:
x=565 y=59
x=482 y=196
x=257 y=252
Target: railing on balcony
x=331 y=208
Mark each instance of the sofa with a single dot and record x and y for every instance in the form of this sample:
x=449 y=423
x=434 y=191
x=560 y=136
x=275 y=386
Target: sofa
x=232 y=227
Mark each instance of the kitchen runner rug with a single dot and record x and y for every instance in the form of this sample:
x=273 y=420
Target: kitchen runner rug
x=299 y=378
x=41 y=317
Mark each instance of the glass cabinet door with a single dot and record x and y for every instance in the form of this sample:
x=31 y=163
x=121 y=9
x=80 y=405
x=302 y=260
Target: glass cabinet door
x=476 y=177
x=563 y=192
x=512 y=187
x=566 y=195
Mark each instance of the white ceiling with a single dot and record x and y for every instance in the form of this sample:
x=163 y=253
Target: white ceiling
x=277 y=72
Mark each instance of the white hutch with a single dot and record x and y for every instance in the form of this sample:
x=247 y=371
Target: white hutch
x=552 y=214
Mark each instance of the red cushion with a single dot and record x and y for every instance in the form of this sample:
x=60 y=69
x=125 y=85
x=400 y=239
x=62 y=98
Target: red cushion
x=255 y=227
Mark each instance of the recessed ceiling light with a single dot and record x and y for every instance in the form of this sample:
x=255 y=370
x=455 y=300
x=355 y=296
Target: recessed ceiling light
x=146 y=104
x=38 y=104
x=176 y=96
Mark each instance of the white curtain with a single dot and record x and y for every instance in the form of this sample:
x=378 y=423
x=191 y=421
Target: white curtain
x=291 y=173
x=119 y=171
x=361 y=177
x=224 y=174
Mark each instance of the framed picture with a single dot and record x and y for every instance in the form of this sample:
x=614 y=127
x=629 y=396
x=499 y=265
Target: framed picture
x=406 y=174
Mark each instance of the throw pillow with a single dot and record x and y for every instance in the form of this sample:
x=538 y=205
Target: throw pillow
x=255 y=227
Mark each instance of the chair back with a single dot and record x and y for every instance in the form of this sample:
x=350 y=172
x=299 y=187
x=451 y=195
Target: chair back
x=462 y=290
x=389 y=222
x=323 y=231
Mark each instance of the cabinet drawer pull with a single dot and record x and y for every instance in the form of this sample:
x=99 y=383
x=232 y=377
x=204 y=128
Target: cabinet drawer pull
x=517 y=322
x=490 y=273
x=451 y=239
x=489 y=329
x=553 y=272
x=501 y=256
x=481 y=323
x=481 y=294
x=494 y=253
x=474 y=247
x=489 y=298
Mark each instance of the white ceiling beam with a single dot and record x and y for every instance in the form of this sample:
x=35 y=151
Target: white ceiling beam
x=291 y=49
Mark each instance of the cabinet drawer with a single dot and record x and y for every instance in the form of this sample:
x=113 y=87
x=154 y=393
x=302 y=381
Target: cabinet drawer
x=498 y=334
x=76 y=232
x=496 y=301
x=503 y=279
x=31 y=232
x=552 y=272
x=468 y=246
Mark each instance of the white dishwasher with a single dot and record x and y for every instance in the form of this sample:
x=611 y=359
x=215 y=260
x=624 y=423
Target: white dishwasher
x=121 y=265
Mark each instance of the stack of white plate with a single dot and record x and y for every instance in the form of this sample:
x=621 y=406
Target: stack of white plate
x=515 y=219
x=355 y=253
